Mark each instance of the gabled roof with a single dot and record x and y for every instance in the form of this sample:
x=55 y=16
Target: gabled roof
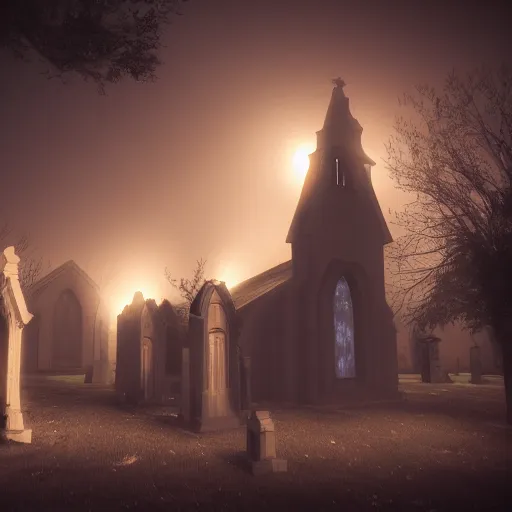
x=54 y=274
x=261 y=284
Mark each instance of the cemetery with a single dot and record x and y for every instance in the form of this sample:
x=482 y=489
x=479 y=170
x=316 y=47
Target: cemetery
x=277 y=390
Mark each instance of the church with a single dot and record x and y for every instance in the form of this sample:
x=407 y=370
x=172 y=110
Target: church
x=318 y=328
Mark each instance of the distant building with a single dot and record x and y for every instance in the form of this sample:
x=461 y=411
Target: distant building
x=318 y=328
x=454 y=349
x=61 y=336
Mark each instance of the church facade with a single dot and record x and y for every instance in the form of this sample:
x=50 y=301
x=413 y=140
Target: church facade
x=318 y=328
x=61 y=336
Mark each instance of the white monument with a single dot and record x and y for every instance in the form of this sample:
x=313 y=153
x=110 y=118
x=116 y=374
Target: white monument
x=13 y=318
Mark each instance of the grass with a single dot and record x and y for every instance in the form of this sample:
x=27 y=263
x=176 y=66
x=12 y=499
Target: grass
x=444 y=447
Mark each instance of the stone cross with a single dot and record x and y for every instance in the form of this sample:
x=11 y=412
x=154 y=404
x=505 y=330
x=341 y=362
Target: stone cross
x=15 y=316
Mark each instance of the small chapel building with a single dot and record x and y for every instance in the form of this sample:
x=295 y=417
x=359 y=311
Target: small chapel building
x=318 y=328
x=67 y=310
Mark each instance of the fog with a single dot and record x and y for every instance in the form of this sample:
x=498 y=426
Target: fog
x=200 y=164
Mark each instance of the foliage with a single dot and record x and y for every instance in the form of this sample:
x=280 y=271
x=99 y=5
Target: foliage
x=188 y=288
x=30 y=268
x=453 y=261
x=100 y=40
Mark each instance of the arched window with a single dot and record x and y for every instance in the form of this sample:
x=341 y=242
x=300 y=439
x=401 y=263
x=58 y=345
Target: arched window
x=344 y=353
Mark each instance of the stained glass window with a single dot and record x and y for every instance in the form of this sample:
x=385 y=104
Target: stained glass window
x=344 y=353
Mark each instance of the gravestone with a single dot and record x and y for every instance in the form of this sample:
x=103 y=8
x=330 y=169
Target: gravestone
x=136 y=337
x=261 y=444
x=475 y=365
x=214 y=383
x=13 y=318
x=431 y=369
x=169 y=356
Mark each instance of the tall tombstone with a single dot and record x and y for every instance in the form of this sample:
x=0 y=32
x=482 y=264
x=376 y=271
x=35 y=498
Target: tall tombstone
x=136 y=339
x=13 y=318
x=214 y=384
x=169 y=358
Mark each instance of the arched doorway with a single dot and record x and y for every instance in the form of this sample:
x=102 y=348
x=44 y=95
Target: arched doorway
x=67 y=332
x=217 y=363
x=343 y=317
x=4 y=340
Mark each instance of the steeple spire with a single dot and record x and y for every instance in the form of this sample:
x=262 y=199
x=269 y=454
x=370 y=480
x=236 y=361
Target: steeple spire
x=339 y=125
x=339 y=82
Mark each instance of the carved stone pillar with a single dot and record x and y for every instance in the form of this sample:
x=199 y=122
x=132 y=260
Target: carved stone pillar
x=16 y=316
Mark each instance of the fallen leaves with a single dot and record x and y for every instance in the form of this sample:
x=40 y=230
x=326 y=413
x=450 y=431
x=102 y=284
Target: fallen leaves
x=128 y=460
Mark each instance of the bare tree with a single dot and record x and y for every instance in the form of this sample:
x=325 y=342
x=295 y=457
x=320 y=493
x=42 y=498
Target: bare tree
x=454 y=261
x=188 y=288
x=30 y=267
x=100 y=40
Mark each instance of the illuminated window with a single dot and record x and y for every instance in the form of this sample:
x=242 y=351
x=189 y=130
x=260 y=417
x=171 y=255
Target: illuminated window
x=345 y=366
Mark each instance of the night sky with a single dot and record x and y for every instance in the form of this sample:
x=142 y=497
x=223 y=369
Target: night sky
x=199 y=164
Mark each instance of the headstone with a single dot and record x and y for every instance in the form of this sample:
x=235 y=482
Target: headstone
x=261 y=444
x=136 y=334
x=13 y=318
x=475 y=365
x=431 y=368
x=214 y=360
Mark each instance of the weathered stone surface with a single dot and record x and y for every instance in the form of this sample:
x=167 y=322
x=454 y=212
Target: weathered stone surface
x=261 y=445
x=214 y=360
x=261 y=440
x=19 y=436
x=66 y=305
x=14 y=315
x=146 y=335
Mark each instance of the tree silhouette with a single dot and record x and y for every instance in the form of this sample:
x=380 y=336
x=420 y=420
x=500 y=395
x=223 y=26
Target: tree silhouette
x=30 y=268
x=188 y=288
x=454 y=261
x=100 y=40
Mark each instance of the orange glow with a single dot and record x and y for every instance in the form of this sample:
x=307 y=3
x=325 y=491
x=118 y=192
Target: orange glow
x=228 y=276
x=123 y=295
x=300 y=161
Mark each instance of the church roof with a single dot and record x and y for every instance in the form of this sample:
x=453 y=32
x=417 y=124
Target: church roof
x=261 y=284
x=54 y=274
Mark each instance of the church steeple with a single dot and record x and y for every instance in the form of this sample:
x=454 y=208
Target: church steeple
x=339 y=173
x=341 y=129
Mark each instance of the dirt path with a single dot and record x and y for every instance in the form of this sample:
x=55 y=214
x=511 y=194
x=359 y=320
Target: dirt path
x=444 y=448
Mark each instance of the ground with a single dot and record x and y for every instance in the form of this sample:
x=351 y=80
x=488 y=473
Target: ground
x=445 y=447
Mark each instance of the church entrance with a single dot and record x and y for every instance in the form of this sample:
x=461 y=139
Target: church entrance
x=67 y=333
x=217 y=381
